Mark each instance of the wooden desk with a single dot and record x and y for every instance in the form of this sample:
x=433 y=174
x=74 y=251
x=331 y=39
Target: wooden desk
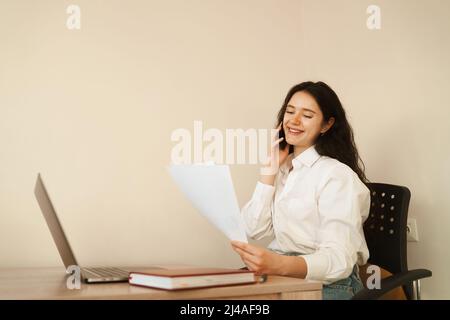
x=50 y=283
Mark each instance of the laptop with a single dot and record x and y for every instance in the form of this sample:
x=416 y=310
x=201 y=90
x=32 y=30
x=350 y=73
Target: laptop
x=88 y=274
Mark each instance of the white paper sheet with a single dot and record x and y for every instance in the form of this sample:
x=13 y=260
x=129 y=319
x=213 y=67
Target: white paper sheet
x=211 y=191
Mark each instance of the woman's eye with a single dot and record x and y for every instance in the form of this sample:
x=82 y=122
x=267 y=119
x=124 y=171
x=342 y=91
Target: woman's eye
x=309 y=117
x=290 y=112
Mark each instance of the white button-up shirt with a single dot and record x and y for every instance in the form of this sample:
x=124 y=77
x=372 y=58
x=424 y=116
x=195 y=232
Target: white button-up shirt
x=317 y=209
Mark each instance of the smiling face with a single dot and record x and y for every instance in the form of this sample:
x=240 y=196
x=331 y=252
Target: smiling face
x=303 y=122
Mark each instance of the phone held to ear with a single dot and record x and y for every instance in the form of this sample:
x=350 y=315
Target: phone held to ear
x=283 y=143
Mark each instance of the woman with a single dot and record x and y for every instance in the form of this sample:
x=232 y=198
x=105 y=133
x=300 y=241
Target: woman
x=315 y=202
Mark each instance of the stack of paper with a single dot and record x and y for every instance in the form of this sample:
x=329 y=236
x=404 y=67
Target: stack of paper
x=211 y=191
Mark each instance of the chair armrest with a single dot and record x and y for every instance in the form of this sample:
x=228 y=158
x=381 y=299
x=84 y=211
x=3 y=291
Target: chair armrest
x=392 y=282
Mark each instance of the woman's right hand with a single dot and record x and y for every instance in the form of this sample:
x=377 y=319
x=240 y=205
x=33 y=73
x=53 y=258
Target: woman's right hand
x=277 y=157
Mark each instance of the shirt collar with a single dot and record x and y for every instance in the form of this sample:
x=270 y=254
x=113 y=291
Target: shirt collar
x=308 y=157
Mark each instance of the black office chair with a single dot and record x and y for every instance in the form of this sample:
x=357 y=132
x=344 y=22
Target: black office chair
x=385 y=230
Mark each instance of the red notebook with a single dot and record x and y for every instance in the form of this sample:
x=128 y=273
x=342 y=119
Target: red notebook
x=187 y=278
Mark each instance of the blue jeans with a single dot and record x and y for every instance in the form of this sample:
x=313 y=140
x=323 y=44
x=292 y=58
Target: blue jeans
x=343 y=289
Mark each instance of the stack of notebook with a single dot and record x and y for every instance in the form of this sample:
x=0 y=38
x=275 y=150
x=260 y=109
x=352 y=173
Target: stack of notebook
x=173 y=279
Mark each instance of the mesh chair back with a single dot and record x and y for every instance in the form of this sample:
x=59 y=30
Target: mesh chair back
x=385 y=228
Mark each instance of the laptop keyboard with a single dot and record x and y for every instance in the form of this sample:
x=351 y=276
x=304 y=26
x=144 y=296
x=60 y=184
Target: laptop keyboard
x=104 y=272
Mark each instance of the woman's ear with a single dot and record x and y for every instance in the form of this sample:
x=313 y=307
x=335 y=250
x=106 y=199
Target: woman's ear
x=329 y=124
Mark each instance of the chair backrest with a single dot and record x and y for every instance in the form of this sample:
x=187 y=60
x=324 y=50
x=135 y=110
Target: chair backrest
x=385 y=228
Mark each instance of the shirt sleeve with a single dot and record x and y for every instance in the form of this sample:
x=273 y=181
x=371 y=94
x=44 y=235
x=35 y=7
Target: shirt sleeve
x=257 y=213
x=343 y=202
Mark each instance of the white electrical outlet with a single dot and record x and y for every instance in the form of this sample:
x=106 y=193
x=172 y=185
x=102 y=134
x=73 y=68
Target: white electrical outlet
x=411 y=230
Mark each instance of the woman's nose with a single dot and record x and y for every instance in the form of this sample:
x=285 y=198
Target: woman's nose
x=296 y=118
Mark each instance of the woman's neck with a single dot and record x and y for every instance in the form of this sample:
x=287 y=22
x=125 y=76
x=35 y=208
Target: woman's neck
x=299 y=149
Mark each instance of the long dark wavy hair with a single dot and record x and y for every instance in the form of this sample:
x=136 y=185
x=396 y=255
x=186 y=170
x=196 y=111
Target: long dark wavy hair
x=338 y=142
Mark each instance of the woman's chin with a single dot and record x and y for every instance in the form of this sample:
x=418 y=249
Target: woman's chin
x=291 y=141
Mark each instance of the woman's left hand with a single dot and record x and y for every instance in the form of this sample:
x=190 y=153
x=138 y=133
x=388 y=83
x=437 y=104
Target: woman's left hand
x=257 y=259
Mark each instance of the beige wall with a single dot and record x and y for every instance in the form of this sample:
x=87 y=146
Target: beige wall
x=93 y=110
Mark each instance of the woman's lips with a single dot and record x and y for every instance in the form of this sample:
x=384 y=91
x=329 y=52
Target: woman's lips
x=294 y=132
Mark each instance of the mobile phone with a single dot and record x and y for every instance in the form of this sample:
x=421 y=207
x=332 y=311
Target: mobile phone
x=283 y=143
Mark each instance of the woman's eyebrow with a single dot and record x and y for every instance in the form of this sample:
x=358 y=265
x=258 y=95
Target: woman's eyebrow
x=304 y=109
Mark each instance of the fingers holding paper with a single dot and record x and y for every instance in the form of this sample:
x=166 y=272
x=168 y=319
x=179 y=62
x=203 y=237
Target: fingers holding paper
x=258 y=259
